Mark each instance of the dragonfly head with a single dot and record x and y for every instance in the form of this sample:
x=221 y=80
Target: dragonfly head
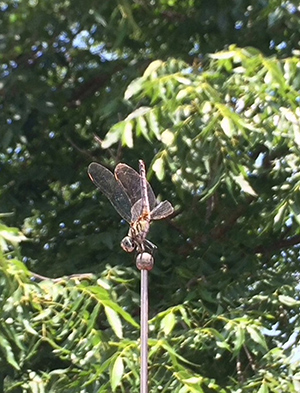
x=128 y=244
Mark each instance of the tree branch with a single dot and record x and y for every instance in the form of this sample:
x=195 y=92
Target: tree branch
x=83 y=276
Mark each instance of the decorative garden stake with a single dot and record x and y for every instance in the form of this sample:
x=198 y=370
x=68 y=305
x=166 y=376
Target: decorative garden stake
x=133 y=198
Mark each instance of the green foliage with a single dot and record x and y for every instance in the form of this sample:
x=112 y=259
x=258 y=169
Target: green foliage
x=219 y=131
x=58 y=336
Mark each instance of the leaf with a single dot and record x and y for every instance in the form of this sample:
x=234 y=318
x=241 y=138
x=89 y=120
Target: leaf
x=6 y=348
x=93 y=318
x=263 y=388
x=193 y=380
x=288 y=301
x=183 y=93
x=134 y=88
x=152 y=67
x=153 y=124
x=141 y=111
x=158 y=168
x=185 y=316
x=168 y=322
x=224 y=55
x=142 y=128
x=257 y=336
x=120 y=311
x=100 y=293
x=155 y=344
x=114 y=135
x=114 y=321
x=212 y=188
x=274 y=74
x=11 y=235
x=228 y=126
x=127 y=137
x=167 y=137
x=243 y=184
x=296 y=135
x=280 y=216
x=28 y=327
x=295 y=209
x=239 y=338
x=117 y=372
x=43 y=315
x=183 y=80
x=17 y=267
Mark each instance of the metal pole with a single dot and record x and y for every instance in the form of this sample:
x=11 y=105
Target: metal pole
x=144 y=263
x=144 y=331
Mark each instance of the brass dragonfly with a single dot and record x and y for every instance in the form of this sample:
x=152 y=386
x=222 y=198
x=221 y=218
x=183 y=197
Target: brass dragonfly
x=133 y=198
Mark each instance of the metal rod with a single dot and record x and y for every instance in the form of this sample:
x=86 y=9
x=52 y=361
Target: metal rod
x=144 y=331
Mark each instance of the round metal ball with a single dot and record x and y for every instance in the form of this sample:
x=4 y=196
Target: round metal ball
x=144 y=261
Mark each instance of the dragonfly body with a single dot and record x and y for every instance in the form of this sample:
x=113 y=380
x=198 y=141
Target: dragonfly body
x=140 y=228
x=133 y=198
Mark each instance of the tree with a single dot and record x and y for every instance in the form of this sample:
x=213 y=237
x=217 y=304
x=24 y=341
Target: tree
x=220 y=135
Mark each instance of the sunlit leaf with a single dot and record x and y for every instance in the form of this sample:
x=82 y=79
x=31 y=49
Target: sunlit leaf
x=280 y=216
x=153 y=124
x=228 y=126
x=168 y=322
x=114 y=321
x=119 y=310
x=11 y=235
x=127 y=137
x=29 y=328
x=263 y=388
x=114 y=135
x=239 y=340
x=257 y=336
x=243 y=184
x=158 y=168
x=138 y=113
x=274 y=74
x=134 y=88
x=222 y=55
x=142 y=128
x=167 y=137
x=183 y=80
x=288 y=301
x=152 y=67
x=117 y=372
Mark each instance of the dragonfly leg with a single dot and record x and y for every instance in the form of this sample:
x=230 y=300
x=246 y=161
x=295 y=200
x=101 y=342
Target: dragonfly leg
x=149 y=246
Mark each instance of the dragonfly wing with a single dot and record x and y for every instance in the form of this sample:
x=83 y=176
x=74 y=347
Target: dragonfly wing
x=136 y=210
x=111 y=188
x=130 y=180
x=162 y=210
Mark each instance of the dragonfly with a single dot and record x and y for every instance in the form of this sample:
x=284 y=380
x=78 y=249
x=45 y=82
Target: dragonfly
x=133 y=198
